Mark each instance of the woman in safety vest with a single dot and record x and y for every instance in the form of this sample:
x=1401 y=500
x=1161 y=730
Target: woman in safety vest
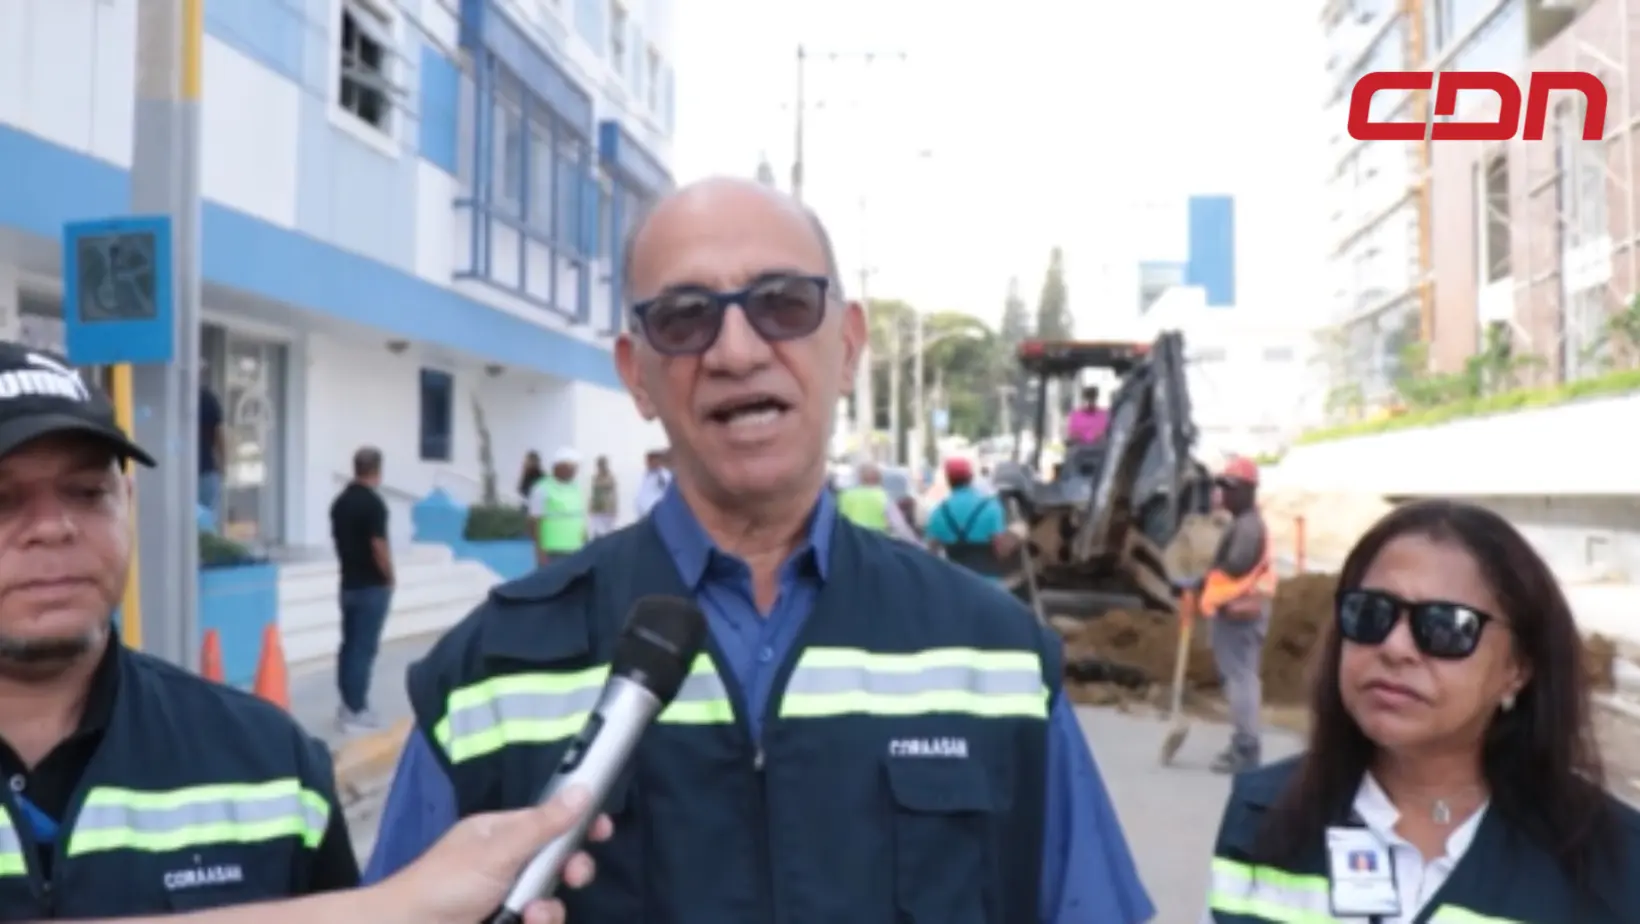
x=1452 y=776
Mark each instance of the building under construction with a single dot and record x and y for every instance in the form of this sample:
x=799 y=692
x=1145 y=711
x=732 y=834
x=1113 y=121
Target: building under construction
x=1454 y=244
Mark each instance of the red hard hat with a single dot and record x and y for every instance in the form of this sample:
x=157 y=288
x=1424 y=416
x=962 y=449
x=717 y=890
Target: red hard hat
x=1240 y=468
x=957 y=467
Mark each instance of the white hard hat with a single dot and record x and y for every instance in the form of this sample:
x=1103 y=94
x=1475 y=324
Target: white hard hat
x=566 y=456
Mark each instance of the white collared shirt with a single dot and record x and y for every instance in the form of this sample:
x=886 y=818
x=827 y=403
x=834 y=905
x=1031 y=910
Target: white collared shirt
x=1416 y=880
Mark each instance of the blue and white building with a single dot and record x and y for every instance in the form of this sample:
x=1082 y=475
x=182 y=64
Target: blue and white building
x=414 y=216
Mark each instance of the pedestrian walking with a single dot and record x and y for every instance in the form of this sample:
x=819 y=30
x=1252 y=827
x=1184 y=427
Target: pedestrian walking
x=558 y=512
x=358 y=530
x=971 y=528
x=1452 y=773
x=656 y=479
x=134 y=788
x=605 y=505
x=859 y=702
x=867 y=505
x=1235 y=595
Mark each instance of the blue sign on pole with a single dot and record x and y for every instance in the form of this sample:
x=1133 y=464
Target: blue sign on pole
x=117 y=292
x=942 y=420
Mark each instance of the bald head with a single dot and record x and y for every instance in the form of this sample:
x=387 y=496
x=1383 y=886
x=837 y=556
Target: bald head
x=725 y=199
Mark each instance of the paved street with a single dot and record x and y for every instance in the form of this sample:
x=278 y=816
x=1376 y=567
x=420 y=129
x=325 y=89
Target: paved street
x=1170 y=815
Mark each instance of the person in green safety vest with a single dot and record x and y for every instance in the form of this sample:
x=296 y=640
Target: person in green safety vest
x=868 y=506
x=558 y=512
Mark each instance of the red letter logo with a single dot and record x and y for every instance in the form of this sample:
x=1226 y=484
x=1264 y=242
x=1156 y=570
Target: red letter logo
x=1363 y=128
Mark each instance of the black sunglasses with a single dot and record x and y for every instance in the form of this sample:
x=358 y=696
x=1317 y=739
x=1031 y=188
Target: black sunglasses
x=1448 y=631
x=687 y=320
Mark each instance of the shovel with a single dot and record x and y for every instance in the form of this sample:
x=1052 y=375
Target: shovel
x=1181 y=724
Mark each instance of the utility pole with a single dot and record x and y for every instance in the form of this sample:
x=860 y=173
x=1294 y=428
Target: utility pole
x=801 y=106
x=165 y=181
x=802 y=109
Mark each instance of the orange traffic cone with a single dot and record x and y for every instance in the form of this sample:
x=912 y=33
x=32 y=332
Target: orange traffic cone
x=210 y=657
x=272 y=683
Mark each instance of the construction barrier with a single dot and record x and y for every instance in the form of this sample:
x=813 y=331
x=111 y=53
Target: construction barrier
x=210 y=657
x=272 y=674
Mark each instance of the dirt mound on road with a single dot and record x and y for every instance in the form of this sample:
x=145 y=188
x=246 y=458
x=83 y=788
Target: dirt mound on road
x=1125 y=656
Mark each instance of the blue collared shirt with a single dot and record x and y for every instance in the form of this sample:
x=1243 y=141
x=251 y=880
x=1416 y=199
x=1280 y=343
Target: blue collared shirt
x=1088 y=874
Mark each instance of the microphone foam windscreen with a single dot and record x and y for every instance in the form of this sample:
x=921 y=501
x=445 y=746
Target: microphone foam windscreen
x=660 y=641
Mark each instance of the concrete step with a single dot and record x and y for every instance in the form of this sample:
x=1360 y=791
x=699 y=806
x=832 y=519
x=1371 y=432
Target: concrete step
x=435 y=590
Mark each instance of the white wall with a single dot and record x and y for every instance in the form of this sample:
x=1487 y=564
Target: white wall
x=359 y=395
x=1573 y=449
x=67 y=75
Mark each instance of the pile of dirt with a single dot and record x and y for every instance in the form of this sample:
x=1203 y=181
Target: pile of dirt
x=1192 y=549
x=1124 y=657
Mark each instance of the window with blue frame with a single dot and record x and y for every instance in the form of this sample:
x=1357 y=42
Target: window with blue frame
x=438 y=401
x=507 y=171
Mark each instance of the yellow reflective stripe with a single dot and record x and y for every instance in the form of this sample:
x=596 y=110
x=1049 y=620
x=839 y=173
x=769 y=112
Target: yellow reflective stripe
x=11 y=849
x=226 y=813
x=1452 y=914
x=537 y=708
x=969 y=681
x=1269 y=894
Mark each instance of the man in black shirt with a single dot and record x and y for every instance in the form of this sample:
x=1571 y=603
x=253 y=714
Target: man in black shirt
x=358 y=527
x=212 y=451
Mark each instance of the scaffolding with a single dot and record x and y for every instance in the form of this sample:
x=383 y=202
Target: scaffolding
x=1583 y=197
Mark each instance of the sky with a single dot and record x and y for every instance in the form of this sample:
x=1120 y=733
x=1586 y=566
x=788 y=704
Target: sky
x=970 y=145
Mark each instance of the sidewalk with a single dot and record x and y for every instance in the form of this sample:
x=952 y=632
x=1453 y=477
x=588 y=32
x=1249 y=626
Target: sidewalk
x=363 y=759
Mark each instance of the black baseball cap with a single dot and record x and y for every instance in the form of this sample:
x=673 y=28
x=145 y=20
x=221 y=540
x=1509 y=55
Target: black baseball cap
x=41 y=394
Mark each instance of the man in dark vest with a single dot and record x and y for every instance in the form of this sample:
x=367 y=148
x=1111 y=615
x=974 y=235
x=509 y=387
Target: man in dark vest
x=876 y=735
x=134 y=787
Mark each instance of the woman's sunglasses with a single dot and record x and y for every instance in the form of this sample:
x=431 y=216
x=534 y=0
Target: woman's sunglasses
x=1448 y=631
x=687 y=320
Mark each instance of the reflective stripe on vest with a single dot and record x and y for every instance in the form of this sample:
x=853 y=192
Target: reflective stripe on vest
x=1220 y=590
x=228 y=813
x=537 y=708
x=865 y=506
x=1265 y=893
x=1452 y=914
x=563 y=518
x=11 y=849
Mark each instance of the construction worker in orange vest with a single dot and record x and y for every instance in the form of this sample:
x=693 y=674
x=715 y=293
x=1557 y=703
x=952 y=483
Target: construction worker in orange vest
x=1236 y=595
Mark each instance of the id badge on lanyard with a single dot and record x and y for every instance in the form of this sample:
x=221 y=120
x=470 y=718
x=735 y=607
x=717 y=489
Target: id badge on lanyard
x=1361 y=875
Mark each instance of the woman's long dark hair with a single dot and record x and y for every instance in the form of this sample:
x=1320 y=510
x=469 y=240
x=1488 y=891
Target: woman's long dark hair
x=530 y=474
x=1540 y=758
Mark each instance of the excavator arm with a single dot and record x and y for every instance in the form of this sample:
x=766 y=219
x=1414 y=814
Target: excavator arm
x=1148 y=480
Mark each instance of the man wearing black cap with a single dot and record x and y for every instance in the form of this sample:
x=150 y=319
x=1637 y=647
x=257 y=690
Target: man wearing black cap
x=133 y=787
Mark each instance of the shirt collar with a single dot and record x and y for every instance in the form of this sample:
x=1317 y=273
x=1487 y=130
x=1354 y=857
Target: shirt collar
x=1380 y=816
x=692 y=550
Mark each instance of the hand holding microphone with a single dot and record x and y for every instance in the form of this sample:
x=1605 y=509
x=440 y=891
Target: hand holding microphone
x=653 y=656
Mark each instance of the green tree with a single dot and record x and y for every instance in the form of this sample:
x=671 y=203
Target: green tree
x=1053 y=310
x=1016 y=319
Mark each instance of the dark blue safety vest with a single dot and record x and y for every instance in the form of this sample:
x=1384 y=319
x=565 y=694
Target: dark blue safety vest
x=199 y=796
x=1503 y=878
x=900 y=773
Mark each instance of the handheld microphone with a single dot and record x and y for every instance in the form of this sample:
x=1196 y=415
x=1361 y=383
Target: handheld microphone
x=653 y=656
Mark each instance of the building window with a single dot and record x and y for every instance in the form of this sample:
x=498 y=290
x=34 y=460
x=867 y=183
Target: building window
x=542 y=191
x=1278 y=354
x=652 y=81
x=1207 y=355
x=366 y=88
x=1582 y=178
x=438 y=401
x=617 y=37
x=1495 y=235
x=507 y=170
